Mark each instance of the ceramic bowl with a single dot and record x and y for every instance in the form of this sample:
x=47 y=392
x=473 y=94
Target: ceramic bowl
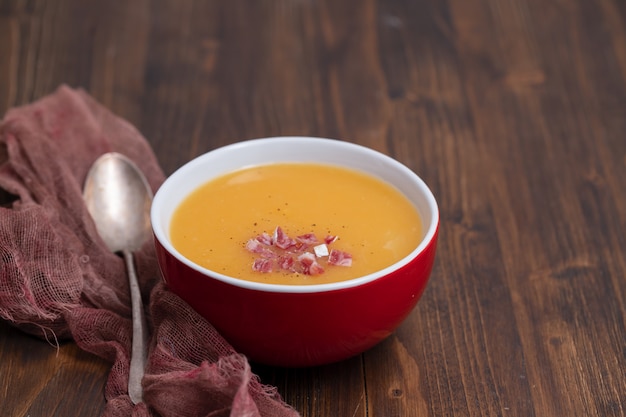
x=298 y=325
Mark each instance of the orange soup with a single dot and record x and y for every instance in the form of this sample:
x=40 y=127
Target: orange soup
x=295 y=223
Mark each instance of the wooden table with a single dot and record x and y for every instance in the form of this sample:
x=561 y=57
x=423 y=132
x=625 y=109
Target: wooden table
x=513 y=111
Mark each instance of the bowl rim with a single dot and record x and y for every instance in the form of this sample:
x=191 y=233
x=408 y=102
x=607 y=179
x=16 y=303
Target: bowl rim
x=163 y=240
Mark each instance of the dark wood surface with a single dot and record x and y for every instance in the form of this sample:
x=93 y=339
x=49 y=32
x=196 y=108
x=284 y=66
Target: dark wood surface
x=513 y=111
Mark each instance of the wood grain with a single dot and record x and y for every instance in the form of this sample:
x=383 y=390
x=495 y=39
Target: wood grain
x=512 y=111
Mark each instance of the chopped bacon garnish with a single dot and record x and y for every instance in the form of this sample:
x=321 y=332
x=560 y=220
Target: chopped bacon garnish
x=286 y=262
x=281 y=239
x=330 y=239
x=265 y=239
x=308 y=238
x=339 y=258
x=279 y=251
x=255 y=246
x=306 y=259
x=315 y=269
x=309 y=264
x=262 y=265
x=299 y=247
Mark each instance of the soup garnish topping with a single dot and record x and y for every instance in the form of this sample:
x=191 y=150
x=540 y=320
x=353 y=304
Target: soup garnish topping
x=304 y=254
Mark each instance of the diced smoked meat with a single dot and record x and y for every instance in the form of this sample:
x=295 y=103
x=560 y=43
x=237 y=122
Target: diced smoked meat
x=299 y=247
x=286 y=262
x=308 y=238
x=265 y=239
x=281 y=239
x=262 y=265
x=339 y=258
x=279 y=251
x=315 y=269
x=306 y=259
x=257 y=247
x=309 y=264
x=330 y=239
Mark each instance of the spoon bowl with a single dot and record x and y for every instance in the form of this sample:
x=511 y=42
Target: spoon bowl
x=118 y=197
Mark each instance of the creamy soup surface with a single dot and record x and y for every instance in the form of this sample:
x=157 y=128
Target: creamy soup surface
x=224 y=225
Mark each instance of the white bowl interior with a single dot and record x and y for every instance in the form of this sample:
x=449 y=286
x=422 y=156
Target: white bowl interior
x=291 y=149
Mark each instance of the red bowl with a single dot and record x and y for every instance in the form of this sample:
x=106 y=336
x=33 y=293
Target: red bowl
x=298 y=325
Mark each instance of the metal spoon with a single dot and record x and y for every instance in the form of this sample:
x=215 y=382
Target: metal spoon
x=118 y=198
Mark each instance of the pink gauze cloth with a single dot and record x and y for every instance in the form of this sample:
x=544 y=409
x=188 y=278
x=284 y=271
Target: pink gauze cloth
x=58 y=280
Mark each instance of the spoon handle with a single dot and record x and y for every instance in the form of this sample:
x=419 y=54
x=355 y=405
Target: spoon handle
x=139 y=342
